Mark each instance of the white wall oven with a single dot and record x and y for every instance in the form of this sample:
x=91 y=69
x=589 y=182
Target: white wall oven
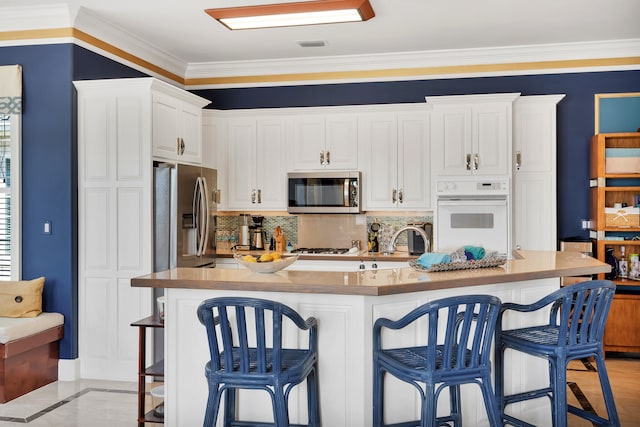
x=473 y=211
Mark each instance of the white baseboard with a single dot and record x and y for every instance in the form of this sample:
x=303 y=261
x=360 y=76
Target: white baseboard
x=68 y=369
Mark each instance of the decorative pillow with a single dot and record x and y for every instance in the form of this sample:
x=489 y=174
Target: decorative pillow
x=22 y=298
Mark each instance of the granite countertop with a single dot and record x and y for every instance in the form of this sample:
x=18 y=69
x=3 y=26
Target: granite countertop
x=526 y=265
x=400 y=255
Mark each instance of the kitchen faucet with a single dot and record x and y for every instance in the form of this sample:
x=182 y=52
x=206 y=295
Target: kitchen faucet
x=391 y=248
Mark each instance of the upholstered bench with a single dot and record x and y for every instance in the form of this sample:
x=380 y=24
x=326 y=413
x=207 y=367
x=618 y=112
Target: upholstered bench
x=29 y=353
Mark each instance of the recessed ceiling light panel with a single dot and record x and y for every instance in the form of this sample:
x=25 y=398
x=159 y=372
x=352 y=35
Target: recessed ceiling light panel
x=293 y=14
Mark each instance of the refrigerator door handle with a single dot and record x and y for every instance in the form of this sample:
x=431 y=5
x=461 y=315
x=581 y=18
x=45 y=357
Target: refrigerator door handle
x=197 y=212
x=204 y=189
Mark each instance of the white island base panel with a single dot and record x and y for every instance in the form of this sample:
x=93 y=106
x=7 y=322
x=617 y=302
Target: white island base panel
x=345 y=325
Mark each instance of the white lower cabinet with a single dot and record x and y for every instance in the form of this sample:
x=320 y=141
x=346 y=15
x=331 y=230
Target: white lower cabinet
x=114 y=223
x=345 y=325
x=394 y=154
x=534 y=172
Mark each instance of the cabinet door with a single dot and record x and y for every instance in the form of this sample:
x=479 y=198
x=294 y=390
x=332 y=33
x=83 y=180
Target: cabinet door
x=307 y=143
x=490 y=136
x=215 y=154
x=534 y=214
x=414 y=174
x=242 y=164
x=451 y=136
x=379 y=151
x=271 y=161
x=341 y=142
x=166 y=111
x=191 y=134
x=534 y=172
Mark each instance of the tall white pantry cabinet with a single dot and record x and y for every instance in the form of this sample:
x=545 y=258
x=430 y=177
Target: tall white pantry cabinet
x=116 y=124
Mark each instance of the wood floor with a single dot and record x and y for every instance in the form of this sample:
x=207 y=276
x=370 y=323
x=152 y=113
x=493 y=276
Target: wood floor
x=624 y=375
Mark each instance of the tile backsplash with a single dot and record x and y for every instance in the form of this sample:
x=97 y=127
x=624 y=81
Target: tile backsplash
x=315 y=230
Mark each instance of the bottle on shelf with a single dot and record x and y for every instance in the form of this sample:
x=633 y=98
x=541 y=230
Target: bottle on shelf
x=623 y=264
x=611 y=260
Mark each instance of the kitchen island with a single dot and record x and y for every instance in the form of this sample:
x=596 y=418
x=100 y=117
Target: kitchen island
x=346 y=305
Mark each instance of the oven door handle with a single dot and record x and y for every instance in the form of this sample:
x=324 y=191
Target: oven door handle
x=473 y=202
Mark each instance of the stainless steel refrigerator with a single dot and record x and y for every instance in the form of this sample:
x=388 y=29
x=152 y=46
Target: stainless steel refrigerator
x=185 y=199
x=184 y=216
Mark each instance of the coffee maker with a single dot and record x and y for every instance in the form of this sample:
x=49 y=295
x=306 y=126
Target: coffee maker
x=258 y=235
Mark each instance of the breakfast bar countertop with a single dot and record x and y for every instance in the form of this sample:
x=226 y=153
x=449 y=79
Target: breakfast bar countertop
x=525 y=265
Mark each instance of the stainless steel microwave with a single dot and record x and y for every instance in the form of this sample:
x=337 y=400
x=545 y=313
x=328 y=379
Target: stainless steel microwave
x=324 y=192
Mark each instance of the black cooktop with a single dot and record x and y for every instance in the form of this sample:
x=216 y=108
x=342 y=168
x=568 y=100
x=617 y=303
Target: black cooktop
x=332 y=251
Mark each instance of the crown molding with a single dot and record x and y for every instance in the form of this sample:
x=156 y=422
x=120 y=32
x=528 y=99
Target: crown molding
x=36 y=17
x=90 y=23
x=568 y=57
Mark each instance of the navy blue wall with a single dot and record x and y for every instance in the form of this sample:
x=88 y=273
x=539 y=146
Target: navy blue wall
x=49 y=169
x=49 y=163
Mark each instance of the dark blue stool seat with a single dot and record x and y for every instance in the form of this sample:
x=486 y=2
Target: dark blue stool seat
x=241 y=358
x=456 y=353
x=574 y=331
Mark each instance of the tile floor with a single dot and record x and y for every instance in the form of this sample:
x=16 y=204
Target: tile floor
x=113 y=404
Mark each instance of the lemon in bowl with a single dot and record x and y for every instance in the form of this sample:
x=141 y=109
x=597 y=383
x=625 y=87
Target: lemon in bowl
x=265 y=263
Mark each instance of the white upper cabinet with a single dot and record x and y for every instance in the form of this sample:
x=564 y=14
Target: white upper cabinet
x=324 y=142
x=471 y=134
x=257 y=163
x=394 y=153
x=214 y=151
x=177 y=124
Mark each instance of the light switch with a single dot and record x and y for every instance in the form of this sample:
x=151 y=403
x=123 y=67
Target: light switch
x=47 y=227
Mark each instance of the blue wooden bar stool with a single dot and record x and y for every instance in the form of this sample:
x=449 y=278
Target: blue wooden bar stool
x=458 y=352
x=245 y=364
x=574 y=331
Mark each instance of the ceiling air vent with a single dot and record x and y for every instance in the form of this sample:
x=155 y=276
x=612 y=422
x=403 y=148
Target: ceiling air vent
x=312 y=43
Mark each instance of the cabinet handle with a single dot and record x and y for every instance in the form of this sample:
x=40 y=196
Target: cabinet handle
x=401 y=196
x=394 y=195
x=468 y=162
x=253 y=195
x=476 y=161
x=259 y=195
x=518 y=160
x=322 y=157
x=328 y=157
x=216 y=196
x=178 y=146
x=182 y=146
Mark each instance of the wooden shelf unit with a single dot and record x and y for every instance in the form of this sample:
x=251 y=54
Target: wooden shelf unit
x=155 y=370
x=622 y=333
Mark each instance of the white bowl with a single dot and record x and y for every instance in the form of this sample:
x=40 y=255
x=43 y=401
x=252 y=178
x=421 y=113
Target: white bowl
x=266 y=267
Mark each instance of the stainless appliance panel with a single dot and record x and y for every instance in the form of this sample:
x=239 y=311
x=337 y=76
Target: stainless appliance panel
x=324 y=192
x=184 y=216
